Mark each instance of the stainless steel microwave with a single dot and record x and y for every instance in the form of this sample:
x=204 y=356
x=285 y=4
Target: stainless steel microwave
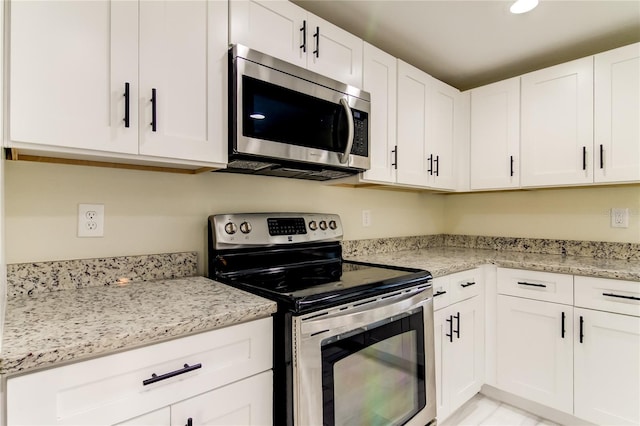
x=288 y=121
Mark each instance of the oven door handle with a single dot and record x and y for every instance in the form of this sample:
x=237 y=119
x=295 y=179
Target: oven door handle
x=344 y=157
x=367 y=312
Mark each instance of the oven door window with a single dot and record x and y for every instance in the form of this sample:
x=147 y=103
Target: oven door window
x=274 y=113
x=377 y=376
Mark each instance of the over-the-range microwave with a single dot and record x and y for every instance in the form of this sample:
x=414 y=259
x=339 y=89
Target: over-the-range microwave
x=288 y=121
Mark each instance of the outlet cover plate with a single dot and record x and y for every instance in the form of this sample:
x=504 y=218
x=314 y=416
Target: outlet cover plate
x=619 y=218
x=90 y=220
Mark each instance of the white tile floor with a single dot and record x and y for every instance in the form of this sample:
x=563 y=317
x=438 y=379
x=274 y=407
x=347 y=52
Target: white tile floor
x=482 y=410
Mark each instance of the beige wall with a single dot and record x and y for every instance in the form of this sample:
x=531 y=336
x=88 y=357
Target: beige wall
x=567 y=213
x=150 y=212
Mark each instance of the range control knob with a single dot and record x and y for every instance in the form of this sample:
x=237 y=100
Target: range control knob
x=313 y=225
x=245 y=227
x=231 y=228
x=323 y=225
x=333 y=224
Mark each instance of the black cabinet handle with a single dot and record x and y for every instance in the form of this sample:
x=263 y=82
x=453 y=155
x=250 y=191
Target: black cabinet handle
x=457 y=331
x=469 y=284
x=126 y=104
x=439 y=293
x=581 y=328
x=430 y=160
x=154 y=102
x=317 y=37
x=155 y=378
x=450 y=321
x=531 y=284
x=303 y=46
x=562 y=331
x=584 y=158
x=511 y=165
x=437 y=161
x=395 y=157
x=620 y=296
x=601 y=156
x=189 y=422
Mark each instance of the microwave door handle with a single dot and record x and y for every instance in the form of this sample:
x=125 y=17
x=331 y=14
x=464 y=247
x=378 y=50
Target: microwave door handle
x=344 y=157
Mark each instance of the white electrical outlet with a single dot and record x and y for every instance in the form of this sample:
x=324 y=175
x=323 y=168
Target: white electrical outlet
x=90 y=220
x=366 y=218
x=619 y=218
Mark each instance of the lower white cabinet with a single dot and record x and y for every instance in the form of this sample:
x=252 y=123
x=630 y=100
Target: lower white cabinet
x=459 y=340
x=535 y=350
x=220 y=377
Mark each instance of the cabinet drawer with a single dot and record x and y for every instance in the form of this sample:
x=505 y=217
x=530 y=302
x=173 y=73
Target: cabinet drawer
x=110 y=389
x=604 y=294
x=441 y=293
x=464 y=285
x=545 y=286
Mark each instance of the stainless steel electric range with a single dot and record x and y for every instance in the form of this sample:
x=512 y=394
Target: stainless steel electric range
x=353 y=341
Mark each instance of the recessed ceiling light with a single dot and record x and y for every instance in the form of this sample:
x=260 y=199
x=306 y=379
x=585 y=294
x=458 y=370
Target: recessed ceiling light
x=523 y=6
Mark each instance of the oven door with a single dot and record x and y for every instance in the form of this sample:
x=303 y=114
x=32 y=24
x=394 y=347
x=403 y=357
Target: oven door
x=369 y=362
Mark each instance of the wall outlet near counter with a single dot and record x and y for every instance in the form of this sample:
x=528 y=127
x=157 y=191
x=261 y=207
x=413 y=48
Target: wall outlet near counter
x=90 y=220
x=366 y=218
x=619 y=218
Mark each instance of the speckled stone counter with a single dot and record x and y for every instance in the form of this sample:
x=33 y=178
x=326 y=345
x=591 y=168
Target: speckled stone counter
x=68 y=325
x=447 y=260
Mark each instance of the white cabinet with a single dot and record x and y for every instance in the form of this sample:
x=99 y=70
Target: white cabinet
x=459 y=339
x=557 y=125
x=427 y=110
x=380 y=80
x=495 y=135
x=288 y=32
x=617 y=115
x=221 y=376
x=607 y=351
x=82 y=74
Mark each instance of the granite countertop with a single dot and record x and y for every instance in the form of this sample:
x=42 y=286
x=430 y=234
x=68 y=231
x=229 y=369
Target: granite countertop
x=447 y=260
x=75 y=324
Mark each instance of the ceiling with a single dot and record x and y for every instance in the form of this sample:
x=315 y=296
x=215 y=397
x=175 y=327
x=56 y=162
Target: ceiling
x=471 y=43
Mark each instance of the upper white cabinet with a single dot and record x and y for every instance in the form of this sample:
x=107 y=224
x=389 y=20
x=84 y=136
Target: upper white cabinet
x=123 y=77
x=617 y=115
x=427 y=111
x=495 y=135
x=557 y=125
x=288 y=32
x=380 y=80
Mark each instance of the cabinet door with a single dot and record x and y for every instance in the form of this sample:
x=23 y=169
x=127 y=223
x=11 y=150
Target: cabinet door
x=333 y=52
x=69 y=63
x=557 y=125
x=380 y=79
x=441 y=329
x=276 y=28
x=607 y=367
x=441 y=130
x=413 y=90
x=244 y=403
x=617 y=115
x=464 y=359
x=495 y=135
x=534 y=356
x=183 y=48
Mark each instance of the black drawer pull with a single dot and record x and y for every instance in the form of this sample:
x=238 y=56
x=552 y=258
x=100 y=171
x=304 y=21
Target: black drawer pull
x=620 y=296
x=450 y=321
x=439 y=293
x=457 y=331
x=303 y=46
x=395 y=157
x=563 y=330
x=531 y=284
x=317 y=37
x=511 y=168
x=584 y=158
x=437 y=161
x=468 y=284
x=581 y=329
x=154 y=103
x=430 y=160
x=601 y=156
x=189 y=422
x=155 y=378
x=126 y=105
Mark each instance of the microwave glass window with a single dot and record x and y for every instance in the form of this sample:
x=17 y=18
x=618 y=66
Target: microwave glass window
x=375 y=377
x=278 y=114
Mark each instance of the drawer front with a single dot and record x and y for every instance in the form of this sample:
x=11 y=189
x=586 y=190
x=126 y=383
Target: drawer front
x=622 y=297
x=465 y=285
x=545 y=286
x=441 y=293
x=111 y=389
